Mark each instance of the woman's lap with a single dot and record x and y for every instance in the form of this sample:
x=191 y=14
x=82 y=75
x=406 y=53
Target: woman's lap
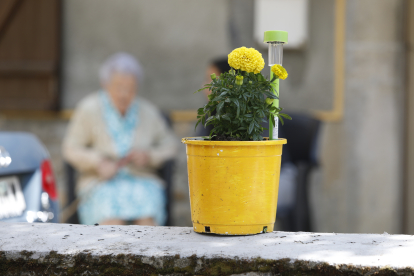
x=124 y=197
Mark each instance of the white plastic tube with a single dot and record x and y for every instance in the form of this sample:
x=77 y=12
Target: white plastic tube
x=275 y=53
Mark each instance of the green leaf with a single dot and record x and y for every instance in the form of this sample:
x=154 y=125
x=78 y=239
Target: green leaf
x=209 y=123
x=251 y=127
x=200 y=111
x=275 y=109
x=220 y=106
x=261 y=113
x=201 y=89
x=226 y=117
x=285 y=116
x=235 y=101
x=272 y=119
x=281 y=119
x=197 y=124
x=243 y=106
x=270 y=95
x=209 y=119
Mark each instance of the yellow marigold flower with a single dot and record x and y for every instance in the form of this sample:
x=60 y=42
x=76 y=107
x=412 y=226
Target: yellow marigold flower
x=279 y=71
x=246 y=59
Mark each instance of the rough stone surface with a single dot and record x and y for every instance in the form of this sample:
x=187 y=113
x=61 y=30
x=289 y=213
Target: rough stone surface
x=62 y=249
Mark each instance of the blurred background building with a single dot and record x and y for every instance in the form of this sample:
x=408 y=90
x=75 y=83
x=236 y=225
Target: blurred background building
x=349 y=65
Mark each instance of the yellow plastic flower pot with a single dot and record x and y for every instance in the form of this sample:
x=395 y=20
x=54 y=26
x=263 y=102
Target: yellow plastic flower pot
x=233 y=185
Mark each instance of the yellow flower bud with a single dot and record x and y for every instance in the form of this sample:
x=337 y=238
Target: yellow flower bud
x=279 y=71
x=269 y=101
x=239 y=80
x=213 y=76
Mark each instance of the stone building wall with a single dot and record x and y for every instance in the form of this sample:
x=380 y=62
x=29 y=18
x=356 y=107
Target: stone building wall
x=361 y=156
x=175 y=40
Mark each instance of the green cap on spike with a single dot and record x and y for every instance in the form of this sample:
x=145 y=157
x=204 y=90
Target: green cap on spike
x=279 y=36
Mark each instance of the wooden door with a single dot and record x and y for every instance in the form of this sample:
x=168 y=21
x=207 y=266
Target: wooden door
x=29 y=54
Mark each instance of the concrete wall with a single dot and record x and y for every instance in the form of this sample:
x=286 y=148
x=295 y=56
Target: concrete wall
x=174 y=40
x=310 y=83
x=360 y=189
x=53 y=249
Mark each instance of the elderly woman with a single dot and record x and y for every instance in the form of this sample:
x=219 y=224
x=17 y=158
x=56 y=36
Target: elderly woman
x=116 y=141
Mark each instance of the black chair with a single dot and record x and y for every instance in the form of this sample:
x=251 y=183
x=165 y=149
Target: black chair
x=301 y=133
x=165 y=173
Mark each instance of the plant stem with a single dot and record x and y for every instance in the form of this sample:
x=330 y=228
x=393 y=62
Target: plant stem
x=275 y=85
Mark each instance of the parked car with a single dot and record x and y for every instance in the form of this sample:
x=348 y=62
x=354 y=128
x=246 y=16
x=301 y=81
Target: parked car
x=27 y=184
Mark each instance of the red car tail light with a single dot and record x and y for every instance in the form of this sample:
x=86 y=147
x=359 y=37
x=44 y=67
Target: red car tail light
x=48 y=180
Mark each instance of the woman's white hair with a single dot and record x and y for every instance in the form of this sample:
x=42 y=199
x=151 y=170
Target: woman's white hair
x=122 y=63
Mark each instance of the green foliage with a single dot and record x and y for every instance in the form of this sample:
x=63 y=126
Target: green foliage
x=237 y=107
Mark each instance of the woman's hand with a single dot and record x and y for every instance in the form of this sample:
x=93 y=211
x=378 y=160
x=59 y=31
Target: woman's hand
x=107 y=169
x=139 y=158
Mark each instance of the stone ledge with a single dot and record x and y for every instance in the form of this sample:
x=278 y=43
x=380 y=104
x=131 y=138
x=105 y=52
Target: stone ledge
x=62 y=249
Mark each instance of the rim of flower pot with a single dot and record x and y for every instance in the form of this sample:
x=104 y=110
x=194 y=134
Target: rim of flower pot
x=201 y=141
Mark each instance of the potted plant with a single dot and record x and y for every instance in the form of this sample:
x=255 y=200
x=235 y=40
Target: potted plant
x=234 y=173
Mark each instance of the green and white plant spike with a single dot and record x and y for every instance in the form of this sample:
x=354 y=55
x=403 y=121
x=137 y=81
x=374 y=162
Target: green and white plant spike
x=275 y=41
